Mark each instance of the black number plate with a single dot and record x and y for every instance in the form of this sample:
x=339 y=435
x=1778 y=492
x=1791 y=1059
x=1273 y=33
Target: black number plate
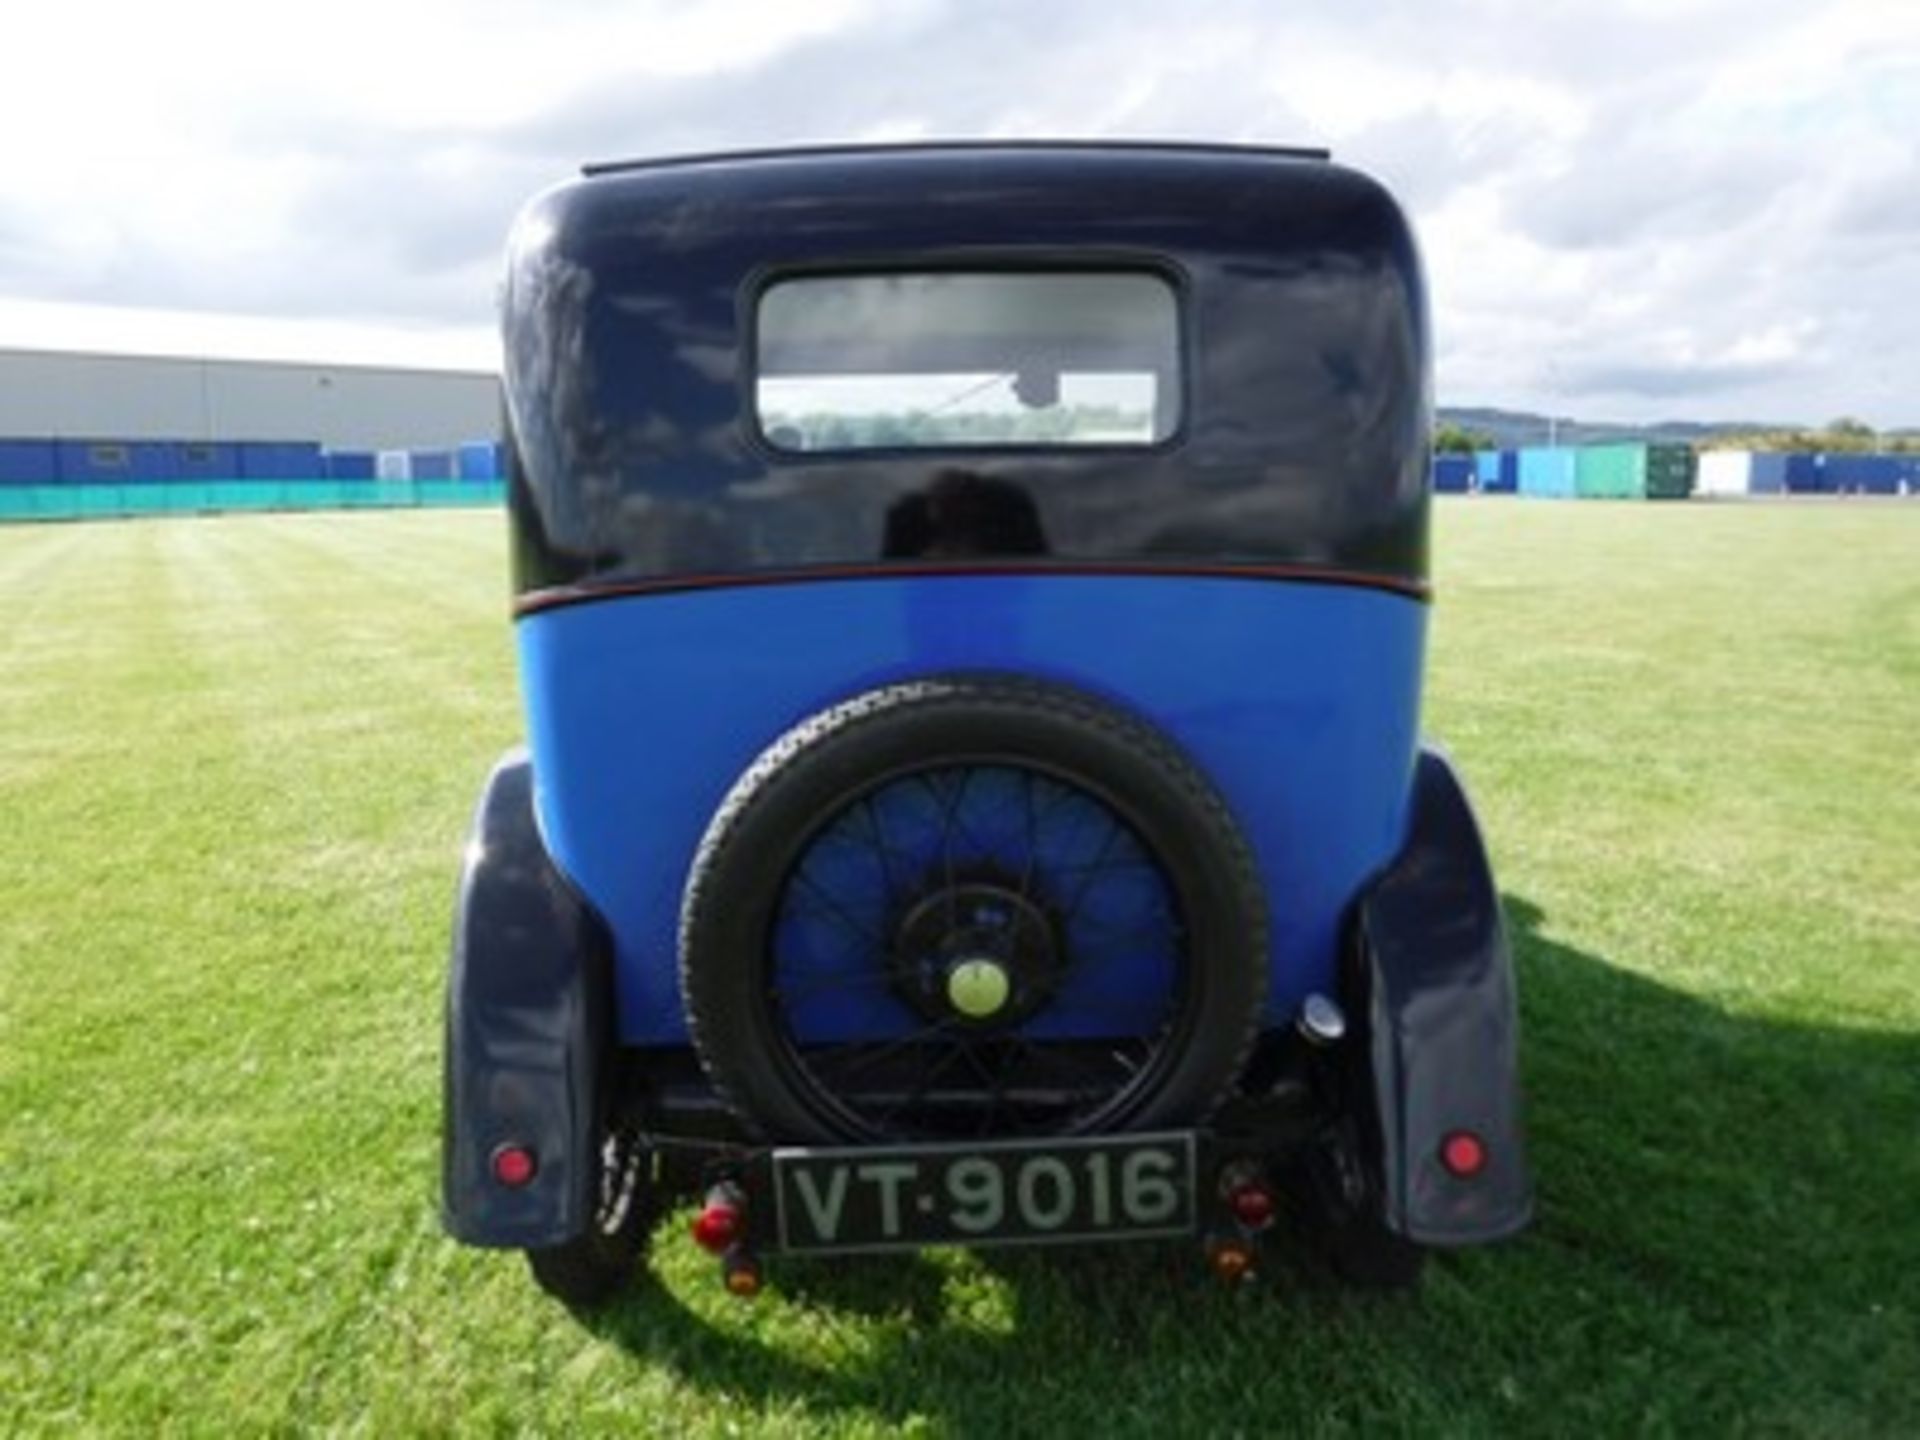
x=1016 y=1193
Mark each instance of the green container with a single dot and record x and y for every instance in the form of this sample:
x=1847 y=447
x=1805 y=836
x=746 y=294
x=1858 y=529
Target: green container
x=1610 y=472
x=1671 y=471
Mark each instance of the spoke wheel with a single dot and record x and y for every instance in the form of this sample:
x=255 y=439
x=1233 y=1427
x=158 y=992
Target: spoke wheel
x=972 y=909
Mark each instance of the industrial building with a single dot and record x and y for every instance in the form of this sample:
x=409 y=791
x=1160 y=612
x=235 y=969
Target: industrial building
x=58 y=395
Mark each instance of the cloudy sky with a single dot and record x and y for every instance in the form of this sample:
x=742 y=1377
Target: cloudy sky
x=1635 y=209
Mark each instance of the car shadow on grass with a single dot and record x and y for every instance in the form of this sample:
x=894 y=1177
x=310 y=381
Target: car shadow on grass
x=1725 y=1207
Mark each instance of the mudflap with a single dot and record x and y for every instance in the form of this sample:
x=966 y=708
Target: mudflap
x=1431 y=976
x=529 y=1036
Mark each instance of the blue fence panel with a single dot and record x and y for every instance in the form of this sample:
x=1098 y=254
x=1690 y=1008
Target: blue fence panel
x=28 y=462
x=205 y=460
x=1910 y=474
x=349 y=465
x=113 y=462
x=432 y=465
x=479 y=460
x=1547 y=472
x=1452 y=474
x=281 y=460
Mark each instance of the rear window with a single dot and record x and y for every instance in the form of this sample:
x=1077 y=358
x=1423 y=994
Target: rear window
x=955 y=360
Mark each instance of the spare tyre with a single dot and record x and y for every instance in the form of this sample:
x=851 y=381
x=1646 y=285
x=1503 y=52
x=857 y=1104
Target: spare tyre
x=972 y=907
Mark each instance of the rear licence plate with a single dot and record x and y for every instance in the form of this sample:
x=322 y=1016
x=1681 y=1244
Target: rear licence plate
x=1013 y=1193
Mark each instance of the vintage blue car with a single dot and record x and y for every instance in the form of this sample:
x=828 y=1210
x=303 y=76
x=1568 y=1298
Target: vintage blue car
x=971 y=606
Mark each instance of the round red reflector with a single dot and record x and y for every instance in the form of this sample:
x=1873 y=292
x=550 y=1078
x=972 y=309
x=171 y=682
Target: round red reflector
x=1464 y=1154
x=716 y=1228
x=514 y=1166
x=1252 y=1205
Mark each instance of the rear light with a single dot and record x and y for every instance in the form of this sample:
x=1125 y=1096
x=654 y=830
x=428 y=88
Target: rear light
x=514 y=1166
x=721 y=1221
x=1252 y=1204
x=1464 y=1154
x=742 y=1277
x=1231 y=1260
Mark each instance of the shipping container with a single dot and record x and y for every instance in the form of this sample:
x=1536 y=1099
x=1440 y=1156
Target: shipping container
x=479 y=460
x=1726 y=472
x=1670 y=471
x=1610 y=472
x=1864 y=474
x=1496 y=472
x=280 y=460
x=350 y=465
x=28 y=462
x=1807 y=475
x=1547 y=472
x=1452 y=474
x=393 y=465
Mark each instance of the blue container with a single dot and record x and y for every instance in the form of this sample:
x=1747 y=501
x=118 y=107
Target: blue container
x=479 y=460
x=28 y=462
x=1547 y=472
x=432 y=465
x=1864 y=474
x=1498 y=471
x=114 y=462
x=1767 y=473
x=349 y=465
x=281 y=460
x=205 y=460
x=1452 y=474
x=1807 y=475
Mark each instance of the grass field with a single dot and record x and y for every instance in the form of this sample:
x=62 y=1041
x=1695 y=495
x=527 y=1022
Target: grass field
x=237 y=758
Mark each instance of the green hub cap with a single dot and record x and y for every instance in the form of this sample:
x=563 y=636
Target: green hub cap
x=978 y=988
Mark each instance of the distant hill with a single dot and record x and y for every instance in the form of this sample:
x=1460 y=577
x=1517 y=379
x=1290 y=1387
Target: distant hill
x=1512 y=429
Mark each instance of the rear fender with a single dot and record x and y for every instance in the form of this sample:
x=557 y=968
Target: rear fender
x=528 y=1030
x=1432 y=977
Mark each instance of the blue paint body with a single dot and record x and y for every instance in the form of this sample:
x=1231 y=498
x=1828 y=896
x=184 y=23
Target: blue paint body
x=28 y=462
x=1300 y=700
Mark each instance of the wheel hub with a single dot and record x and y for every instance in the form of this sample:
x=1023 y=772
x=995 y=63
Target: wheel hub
x=978 y=988
x=977 y=951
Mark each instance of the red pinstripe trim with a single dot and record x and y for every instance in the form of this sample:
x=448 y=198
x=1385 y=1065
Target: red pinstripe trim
x=536 y=601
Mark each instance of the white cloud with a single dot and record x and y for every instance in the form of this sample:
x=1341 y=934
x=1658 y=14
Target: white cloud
x=1707 y=208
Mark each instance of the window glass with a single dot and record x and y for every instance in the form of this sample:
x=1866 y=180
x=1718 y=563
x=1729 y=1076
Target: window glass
x=952 y=360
